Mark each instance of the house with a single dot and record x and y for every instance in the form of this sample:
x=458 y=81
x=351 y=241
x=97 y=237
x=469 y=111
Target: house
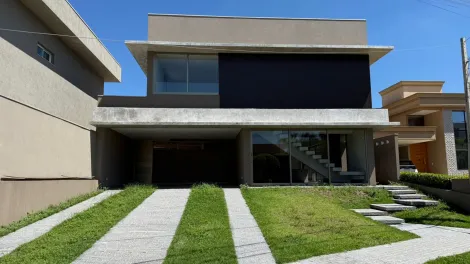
x=244 y=100
x=48 y=90
x=432 y=132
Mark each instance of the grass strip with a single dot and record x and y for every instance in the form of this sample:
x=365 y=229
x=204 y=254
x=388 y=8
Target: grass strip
x=299 y=223
x=53 y=209
x=442 y=215
x=456 y=259
x=203 y=235
x=67 y=241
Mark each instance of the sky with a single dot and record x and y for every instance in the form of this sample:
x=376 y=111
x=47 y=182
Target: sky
x=426 y=38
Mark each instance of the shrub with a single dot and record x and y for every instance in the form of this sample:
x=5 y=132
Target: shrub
x=441 y=181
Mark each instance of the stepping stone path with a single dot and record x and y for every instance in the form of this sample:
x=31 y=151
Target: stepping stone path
x=404 y=198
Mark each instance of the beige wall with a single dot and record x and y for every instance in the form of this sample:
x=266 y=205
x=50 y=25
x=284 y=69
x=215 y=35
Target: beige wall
x=402 y=118
x=36 y=145
x=18 y=198
x=437 y=159
x=405 y=89
x=180 y=28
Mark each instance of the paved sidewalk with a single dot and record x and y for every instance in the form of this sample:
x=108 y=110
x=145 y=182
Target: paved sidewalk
x=144 y=235
x=250 y=245
x=434 y=242
x=28 y=233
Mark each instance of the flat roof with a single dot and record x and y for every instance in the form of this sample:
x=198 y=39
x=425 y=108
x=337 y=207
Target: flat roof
x=62 y=18
x=139 y=49
x=255 y=17
x=409 y=83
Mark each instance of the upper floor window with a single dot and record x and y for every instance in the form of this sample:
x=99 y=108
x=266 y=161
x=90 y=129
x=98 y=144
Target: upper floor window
x=183 y=73
x=416 y=120
x=460 y=135
x=45 y=53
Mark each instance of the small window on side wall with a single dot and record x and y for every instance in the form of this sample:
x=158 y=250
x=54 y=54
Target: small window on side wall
x=45 y=53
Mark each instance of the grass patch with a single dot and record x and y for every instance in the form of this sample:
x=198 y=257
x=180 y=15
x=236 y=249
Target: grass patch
x=299 y=223
x=65 y=242
x=441 y=181
x=457 y=259
x=441 y=214
x=53 y=209
x=203 y=235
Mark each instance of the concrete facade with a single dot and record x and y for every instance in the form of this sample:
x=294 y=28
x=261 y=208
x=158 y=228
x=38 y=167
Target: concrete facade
x=386 y=159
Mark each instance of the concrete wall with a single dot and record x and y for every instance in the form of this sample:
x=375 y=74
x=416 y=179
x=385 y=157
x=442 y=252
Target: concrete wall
x=114 y=158
x=360 y=149
x=458 y=199
x=244 y=157
x=143 y=161
x=404 y=152
x=180 y=28
x=36 y=145
x=18 y=198
x=13 y=14
x=437 y=150
x=461 y=185
x=387 y=159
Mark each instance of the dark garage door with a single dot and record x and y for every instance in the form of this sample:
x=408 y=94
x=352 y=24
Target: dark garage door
x=186 y=163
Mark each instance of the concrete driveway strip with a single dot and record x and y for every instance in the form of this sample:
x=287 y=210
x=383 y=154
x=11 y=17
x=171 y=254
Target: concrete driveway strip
x=28 y=233
x=250 y=245
x=434 y=242
x=144 y=235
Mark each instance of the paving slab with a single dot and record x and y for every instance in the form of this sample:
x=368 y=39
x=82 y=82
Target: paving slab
x=416 y=202
x=392 y=207
x=250 y=245
x=386 y=219
x=144 y=235
x=409 y=196
x=28 y=233
x=404 y=191
x=393 y=187
x=369 y=212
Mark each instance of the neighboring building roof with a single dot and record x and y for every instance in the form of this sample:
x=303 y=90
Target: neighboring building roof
x=410 y=83
x=248 y=17
x=418 y=102
x=61 y=18
x=140 y=49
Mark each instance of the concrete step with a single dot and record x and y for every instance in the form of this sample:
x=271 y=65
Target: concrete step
x=298 y=144
x=337 y=169
x=310 y=152
x=369 y=212
x=393 y=187
x=407 y=191
x=316 y=156
x=303 y=148
x=352 y=173
x=416 y=202
x=331 y=165
x=323 y=161
x=388 y=220
x=409 y=196
x=392 y=207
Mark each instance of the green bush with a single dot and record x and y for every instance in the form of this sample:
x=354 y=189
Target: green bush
x=441 y=181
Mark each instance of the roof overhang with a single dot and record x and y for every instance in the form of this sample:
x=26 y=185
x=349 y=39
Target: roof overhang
x=408 y=135
x=426 y=103
x=62 y=19
x=115 y=117
x=140 y=49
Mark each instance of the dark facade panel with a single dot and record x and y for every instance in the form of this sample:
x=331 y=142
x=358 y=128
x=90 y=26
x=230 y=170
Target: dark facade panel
x=294 y=81
x=161 y=101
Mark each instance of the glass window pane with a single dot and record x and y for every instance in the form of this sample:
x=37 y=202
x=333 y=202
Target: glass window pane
x=39 y=51
x=458 y=116
x=462 y=160
x=203 y=74
x=46 y=56
x=170 y=73
x=270 y=157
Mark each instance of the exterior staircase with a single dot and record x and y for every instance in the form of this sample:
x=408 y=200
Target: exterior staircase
x=405 y=198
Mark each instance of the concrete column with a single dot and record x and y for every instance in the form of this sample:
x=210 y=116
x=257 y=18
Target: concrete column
x=360 y=148
x=370 y=158
x=143 y=163
x=244 y=157
x=387 y=159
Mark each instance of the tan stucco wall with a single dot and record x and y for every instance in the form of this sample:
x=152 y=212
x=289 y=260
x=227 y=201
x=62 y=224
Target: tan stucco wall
x=17 y=198
x=405 y=89
x=402 y=118
x=37 y=145
x=437 y=159
x=254 y=30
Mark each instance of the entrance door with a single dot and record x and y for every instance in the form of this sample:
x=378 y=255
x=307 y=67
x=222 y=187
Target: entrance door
x=419 y=156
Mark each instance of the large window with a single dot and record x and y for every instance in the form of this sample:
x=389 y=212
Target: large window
x=183 y=73
x=460 y=135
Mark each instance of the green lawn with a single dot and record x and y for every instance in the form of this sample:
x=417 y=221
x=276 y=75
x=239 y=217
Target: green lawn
x=67 y=241
x=203 y=235
x=36 y=216
x=299 y=223
x=442 y=215
x=457 y=259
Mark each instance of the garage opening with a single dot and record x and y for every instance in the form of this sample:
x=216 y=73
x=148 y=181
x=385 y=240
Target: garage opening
x=182 y=163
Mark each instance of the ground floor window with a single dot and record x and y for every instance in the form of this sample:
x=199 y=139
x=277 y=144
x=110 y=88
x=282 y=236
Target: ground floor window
x=460 y=136
x=309 y=156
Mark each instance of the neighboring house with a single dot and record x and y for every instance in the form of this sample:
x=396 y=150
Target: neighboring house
x=432 y=131
x=48 y=90
x=239 y=100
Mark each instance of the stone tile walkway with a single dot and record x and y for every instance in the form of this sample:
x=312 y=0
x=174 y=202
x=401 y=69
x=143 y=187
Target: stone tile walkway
x=28 y=233
x=144 y=235
x=434 y=242
x=250 y=245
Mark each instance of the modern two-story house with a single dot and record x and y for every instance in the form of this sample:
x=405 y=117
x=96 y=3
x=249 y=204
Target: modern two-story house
x=244 y=100
x=48 y=91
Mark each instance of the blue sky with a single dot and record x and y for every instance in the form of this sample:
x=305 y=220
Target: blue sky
x=405 y=24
